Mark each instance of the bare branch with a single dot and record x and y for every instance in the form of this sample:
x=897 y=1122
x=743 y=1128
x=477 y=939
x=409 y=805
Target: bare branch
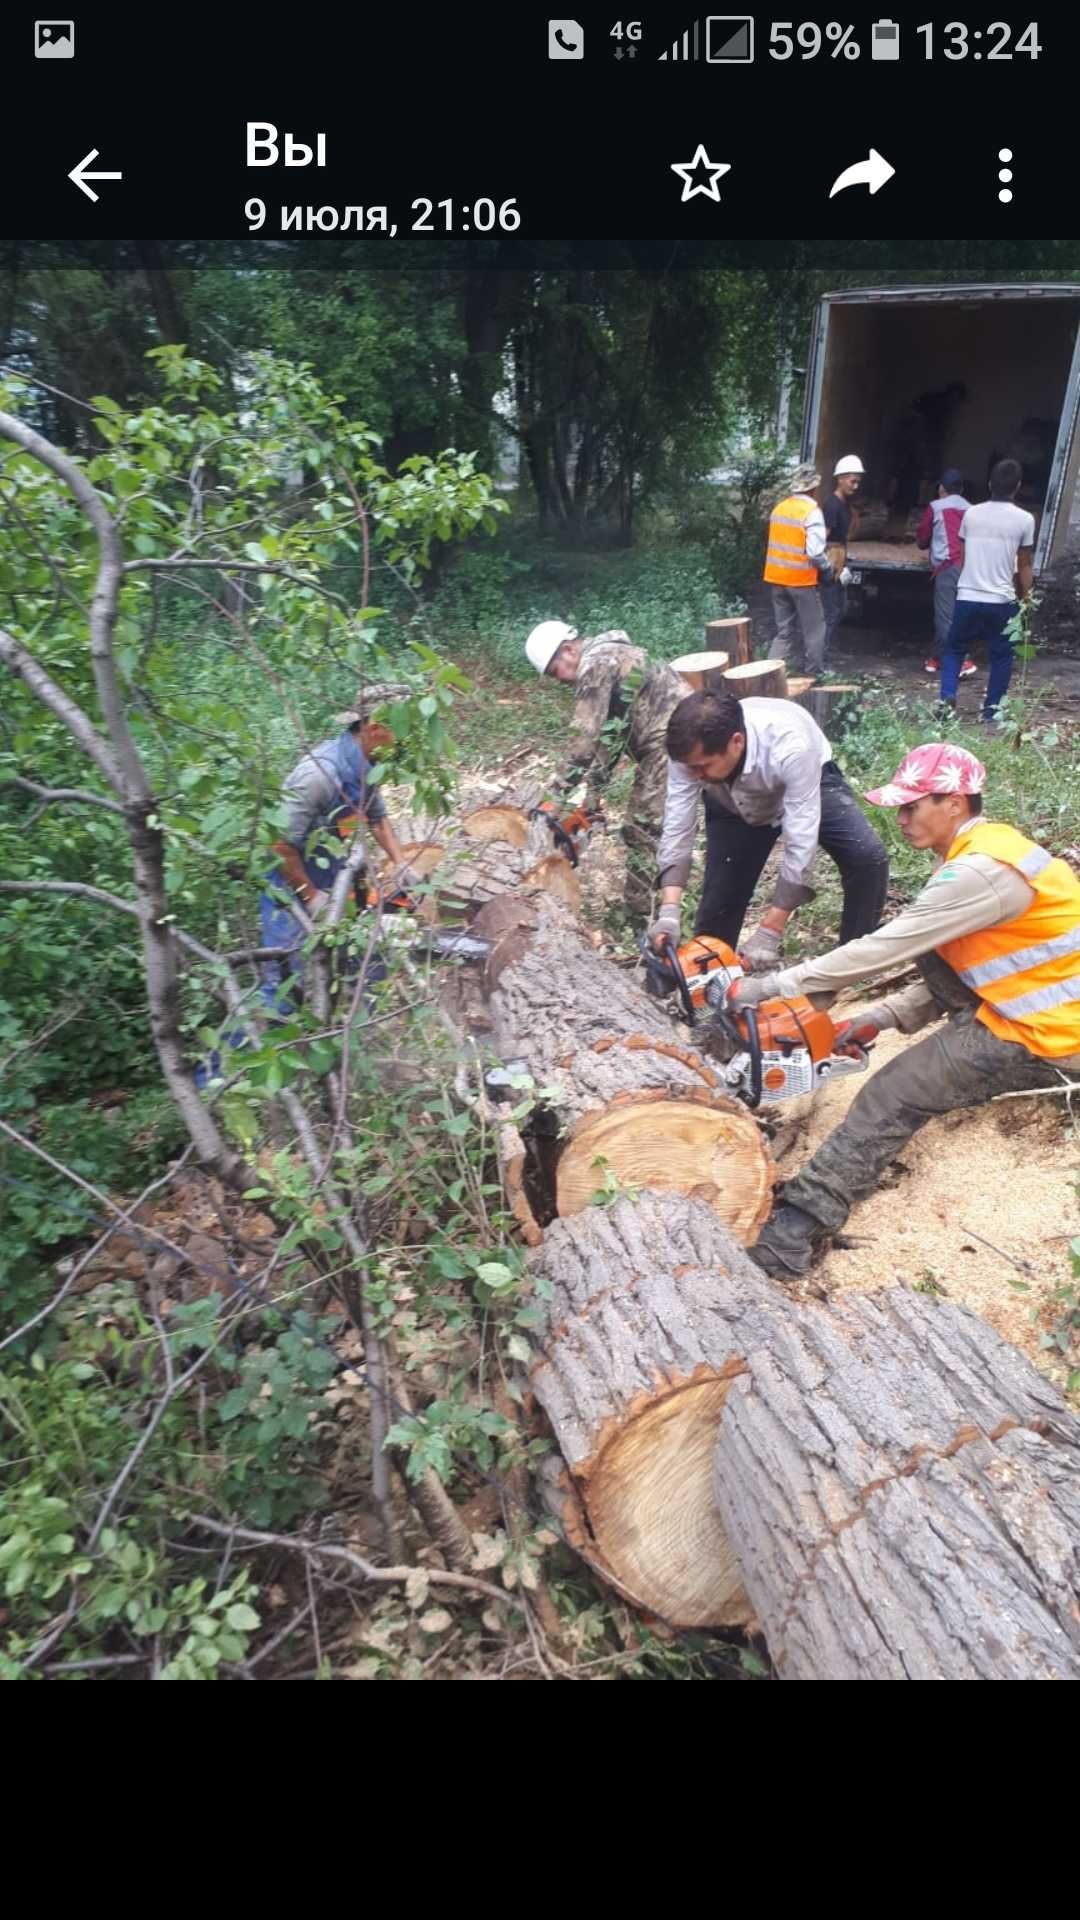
x=384 y=1576
x=75 y=796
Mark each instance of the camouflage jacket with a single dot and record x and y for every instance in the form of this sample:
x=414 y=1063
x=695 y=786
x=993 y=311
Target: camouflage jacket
x=615 y=684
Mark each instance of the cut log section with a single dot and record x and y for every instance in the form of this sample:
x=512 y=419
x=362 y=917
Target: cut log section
x=902 y=1492
x=729 y=636
x=703 y=672
x=506 y=823
x=596 y=1045
x=703 y=1144
x=652 y=1308
x=764 y=678
x=798 y=687
x=828 y=705
x=491 y=851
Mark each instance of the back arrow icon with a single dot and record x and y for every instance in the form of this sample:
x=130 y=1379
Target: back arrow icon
x=80 y=175
x=872 y=172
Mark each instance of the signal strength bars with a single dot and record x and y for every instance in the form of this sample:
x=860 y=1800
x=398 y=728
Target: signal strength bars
x=727 y=39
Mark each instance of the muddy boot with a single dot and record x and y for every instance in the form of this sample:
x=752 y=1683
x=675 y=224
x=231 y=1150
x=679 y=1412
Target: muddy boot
x=785 y=1246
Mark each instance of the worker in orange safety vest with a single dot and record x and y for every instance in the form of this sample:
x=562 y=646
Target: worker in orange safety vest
x=796 y=567
x=996 y=937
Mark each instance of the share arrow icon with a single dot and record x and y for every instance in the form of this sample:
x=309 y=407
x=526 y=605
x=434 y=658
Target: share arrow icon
x=871 y=172
x=80 y=175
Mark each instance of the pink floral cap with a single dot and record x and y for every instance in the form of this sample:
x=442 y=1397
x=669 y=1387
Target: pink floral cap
x=935 y=768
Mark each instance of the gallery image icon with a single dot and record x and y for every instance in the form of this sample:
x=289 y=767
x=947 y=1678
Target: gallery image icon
x=54 y=39
x=566 y=40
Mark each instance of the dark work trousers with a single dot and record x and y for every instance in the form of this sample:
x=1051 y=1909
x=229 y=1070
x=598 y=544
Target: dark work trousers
x=735 y=855
x=960 y=1064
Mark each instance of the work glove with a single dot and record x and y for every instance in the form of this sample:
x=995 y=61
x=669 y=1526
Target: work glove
x=316 y=903
x=854 y=1036
x=761 y=950
x=845 y=577
x=407 y=879
x=666 y=926
x=751 y=993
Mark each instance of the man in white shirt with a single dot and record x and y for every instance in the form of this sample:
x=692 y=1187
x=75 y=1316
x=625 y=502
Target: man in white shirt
x=997 y=540
x=768 y=774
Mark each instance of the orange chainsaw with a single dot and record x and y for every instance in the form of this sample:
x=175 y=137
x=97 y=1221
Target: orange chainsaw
x=772 y=1051
x=572 y=831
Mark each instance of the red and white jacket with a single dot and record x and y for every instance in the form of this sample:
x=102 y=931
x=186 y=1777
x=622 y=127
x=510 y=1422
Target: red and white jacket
x=939 y=529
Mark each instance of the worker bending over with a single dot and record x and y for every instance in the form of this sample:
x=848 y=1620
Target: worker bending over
x=326 y=793
x=768 y=774
x=996 y=935
x=796 y=566
x=613 y=681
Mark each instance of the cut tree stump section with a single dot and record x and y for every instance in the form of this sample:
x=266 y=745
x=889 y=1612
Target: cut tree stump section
x=901 y=1489
x=729 y=636
x=598 y=1048
x=882 y=1482
x=764 y=678
x=827 y=704
x=703 y=672
x=798 y=687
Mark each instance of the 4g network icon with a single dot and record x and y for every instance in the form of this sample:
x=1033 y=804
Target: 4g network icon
x=566 y=39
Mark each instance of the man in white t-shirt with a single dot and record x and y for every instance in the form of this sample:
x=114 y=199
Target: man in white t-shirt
x=997 y=540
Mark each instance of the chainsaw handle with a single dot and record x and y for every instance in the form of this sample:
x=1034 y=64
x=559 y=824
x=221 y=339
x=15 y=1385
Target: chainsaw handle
x=563 y=842
x=679 y=977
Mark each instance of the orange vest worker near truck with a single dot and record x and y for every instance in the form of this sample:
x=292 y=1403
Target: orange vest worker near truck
x=796 y=566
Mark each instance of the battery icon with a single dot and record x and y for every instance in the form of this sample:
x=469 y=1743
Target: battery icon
x=885 y=40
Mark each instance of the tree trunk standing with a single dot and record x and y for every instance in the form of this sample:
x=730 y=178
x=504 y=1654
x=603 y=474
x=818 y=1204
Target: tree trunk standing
x=729 y=636
x=703 y=672
x=764 y=678
x=829 y=705
x=902 y=1493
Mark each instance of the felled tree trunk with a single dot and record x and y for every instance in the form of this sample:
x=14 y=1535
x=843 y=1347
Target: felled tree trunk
x=652 y=1309
x=901 y=1490
x=764 y=677
x=490 y=851
x=615 y=1084
x=893 y=1491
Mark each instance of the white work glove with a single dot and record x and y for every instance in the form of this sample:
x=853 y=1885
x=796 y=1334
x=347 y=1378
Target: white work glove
x=761 y=951
x=408 y=879
x=845 y=577
x=666 y=926
x=315 y=903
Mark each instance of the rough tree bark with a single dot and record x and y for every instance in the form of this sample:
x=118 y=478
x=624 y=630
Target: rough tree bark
x=731 y=636
x=882 y=1483
x=902 y=1493
x=762 y=677
x=615 y=1081
x=826 y=704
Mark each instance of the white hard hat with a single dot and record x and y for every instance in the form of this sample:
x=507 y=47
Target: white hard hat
x=849 y=464
x=545 y=640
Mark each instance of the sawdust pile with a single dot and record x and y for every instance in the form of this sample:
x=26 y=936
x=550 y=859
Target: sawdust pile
x=1006 y=1172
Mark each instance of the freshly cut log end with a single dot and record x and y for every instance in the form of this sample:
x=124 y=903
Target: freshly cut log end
x=505 y=823
x=702 y=671
x=555 y=876
x=682 y=1142
x=902 y=1490
x=653 y=1308
x=765 y=679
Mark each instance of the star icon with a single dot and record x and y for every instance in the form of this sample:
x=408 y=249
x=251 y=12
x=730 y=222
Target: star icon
x=691 y=171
